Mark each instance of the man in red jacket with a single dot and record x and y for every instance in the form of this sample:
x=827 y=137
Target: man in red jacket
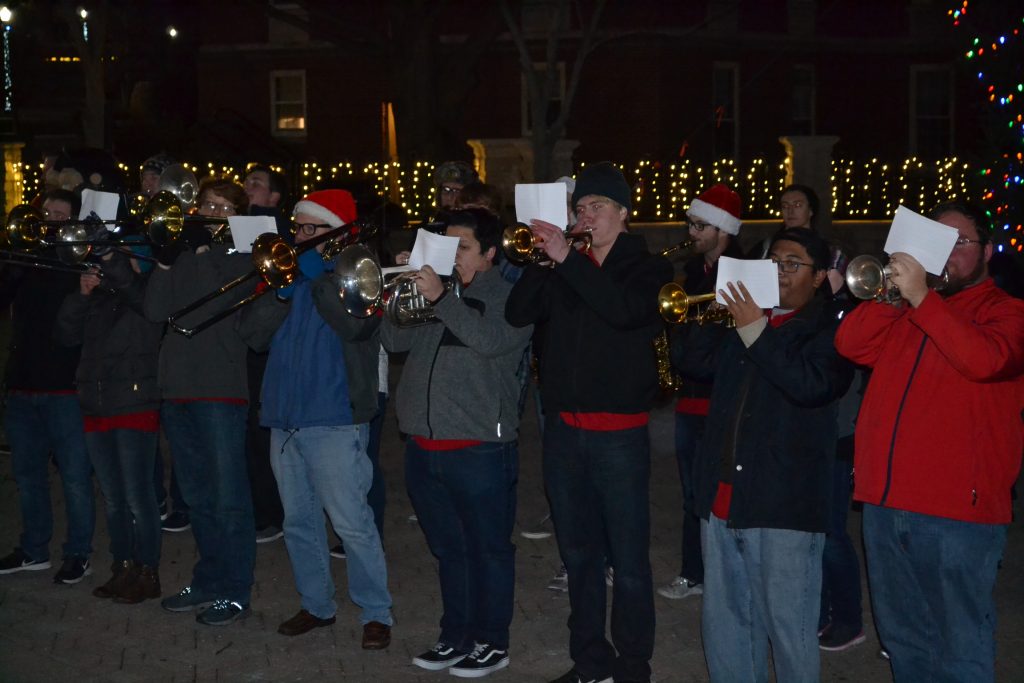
x=938 y=446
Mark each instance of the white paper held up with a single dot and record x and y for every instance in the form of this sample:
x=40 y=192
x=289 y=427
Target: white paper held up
x=103 y=204
x=436 y=251
x=543 y=201
x=928 y=241
x=245 y=230
x=760 y=277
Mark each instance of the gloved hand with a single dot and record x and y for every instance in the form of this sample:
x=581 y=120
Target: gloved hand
x=167 y=255
x=195 y=235
x=311 y=264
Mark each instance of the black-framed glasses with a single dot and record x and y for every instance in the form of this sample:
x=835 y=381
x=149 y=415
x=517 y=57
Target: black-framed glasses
x=448 y=189
x=699 y=226
x=790 y=266
x=964 y=241
x=307 y=229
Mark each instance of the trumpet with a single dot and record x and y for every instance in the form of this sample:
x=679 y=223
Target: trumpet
x=674 y=304
x=405 y=306
x=276 y=263
x=520 y=245
x=364 y=289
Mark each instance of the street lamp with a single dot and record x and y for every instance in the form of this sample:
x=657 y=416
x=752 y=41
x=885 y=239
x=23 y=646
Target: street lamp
x=5 y=18
x=84 y=14
x=172 y=32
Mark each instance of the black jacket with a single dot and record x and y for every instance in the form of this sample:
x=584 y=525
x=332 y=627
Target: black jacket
x=118 y=369
x=771 y=429
x=37 y=362
x=598 y=353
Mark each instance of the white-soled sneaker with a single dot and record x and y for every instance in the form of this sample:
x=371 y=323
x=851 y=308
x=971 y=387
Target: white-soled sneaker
x=483 y=660
x=681 y=587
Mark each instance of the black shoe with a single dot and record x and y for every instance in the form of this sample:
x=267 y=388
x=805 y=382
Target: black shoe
x=176 y=521
x=18 y=561
x=338 y=551
x=839 y=637
x=163 y=509
x=484 y=659
x=575 y=676
x=73 y=570
x=440 y=657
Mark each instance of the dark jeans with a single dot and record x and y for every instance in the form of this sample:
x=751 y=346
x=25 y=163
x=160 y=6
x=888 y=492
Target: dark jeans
x=266 y=499
x=123 y=462
x=208 y=444
x=466 y=503
x=177 y=502
x=38 y=425
x=598 y=485
x=689 y=430
x=932 y=580
x=840 y=566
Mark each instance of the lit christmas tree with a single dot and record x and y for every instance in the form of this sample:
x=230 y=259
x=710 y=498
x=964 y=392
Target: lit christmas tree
x=993 y=52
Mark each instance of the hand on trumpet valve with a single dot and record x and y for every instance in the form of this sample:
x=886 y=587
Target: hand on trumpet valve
x=741 y=304
x=550 y=239
x=428 y=284
x=909 y=276
x=89 y=281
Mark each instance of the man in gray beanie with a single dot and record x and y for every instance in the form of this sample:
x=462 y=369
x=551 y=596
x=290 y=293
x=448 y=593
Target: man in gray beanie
x=601 y=311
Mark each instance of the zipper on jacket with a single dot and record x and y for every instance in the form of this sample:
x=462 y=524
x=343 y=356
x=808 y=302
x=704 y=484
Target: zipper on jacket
x=896 y=424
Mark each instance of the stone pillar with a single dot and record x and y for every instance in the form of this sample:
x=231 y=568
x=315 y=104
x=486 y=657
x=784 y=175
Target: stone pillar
x=503 y=162
x=13 y=181
x=809 y=162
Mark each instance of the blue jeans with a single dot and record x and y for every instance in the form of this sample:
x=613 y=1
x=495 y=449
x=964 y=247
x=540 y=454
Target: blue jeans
x=761 y=586
x=466 y=503
x=326 y=469
x=931 y=592
x=38 y=425
x=377 y=497
x=208 y=446
x=123 y=462
x=689 y=429
x=598 y=486
x=840 y=566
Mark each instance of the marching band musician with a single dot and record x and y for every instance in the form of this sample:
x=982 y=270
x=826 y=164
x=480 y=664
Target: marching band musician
x=205 y=404
x=937 y=450
x=319 y=396
x=713 y=221
x=764 y=466
x=458 y=402
x=600 y=381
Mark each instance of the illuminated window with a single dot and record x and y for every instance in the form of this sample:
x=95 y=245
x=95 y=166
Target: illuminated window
x=288 y=102
x=931 y=111
x=554 y=105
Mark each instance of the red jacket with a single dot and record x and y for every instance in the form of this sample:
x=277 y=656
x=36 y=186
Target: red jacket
x=941 y=429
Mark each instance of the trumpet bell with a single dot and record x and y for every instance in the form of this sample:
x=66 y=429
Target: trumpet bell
x=866 y=277
x=163 y=218
x=674 y=303
x=518 y=243
x=357 y=276
x=275 y=260
x=24 y=228
x=181 y=183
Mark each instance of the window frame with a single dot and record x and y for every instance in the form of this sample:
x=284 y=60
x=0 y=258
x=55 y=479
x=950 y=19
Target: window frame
x=275 y=103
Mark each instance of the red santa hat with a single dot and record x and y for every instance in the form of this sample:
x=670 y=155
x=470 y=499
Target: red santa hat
x=719 y=206
x=333 y=207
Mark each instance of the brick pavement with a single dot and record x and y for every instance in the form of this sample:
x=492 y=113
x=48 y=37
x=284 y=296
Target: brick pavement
x=61 y=633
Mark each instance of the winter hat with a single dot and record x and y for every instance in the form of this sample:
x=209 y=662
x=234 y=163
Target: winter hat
x=719 y=206
x=157 y=163
x=605 y=180
x=333 y=207
x=455 y=172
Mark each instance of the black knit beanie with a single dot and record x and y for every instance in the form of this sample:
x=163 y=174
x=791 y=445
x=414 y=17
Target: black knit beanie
x=603 y=179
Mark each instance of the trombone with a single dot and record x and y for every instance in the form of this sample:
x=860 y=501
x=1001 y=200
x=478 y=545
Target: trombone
x=520 y=244
x=277 y=263
x=674 y=304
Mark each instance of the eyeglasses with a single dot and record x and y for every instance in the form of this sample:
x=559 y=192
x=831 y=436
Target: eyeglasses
x=786 y=206
x=52 y=215
x=964 y=241
x=215 y=208
x=307 y=229
x=790 y=266
x=448 y=189
x=699 y=226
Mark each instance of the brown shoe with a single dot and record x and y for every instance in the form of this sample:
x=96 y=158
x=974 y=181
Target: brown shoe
x=302 y=622
x=122 y=572
x=376 y=636
x=144 y=584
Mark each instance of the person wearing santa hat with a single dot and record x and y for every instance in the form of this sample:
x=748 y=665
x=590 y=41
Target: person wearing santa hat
x=319 y=396
x=714 y=224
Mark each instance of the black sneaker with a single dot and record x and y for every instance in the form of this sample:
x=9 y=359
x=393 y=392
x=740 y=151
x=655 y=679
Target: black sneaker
x=163 y=509
x=176 y=521
x=839 y=637
x=73 y=570
x=574 y=676
x=338 y=551
x=222 y=613
x=18 y=561
x=440 y=657
x=484 y=659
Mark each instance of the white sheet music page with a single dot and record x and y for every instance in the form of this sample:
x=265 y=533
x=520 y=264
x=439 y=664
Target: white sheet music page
x=928 y=241
x=436 y=251
x=760 y=277
x=543 y=201
x=245 y=230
